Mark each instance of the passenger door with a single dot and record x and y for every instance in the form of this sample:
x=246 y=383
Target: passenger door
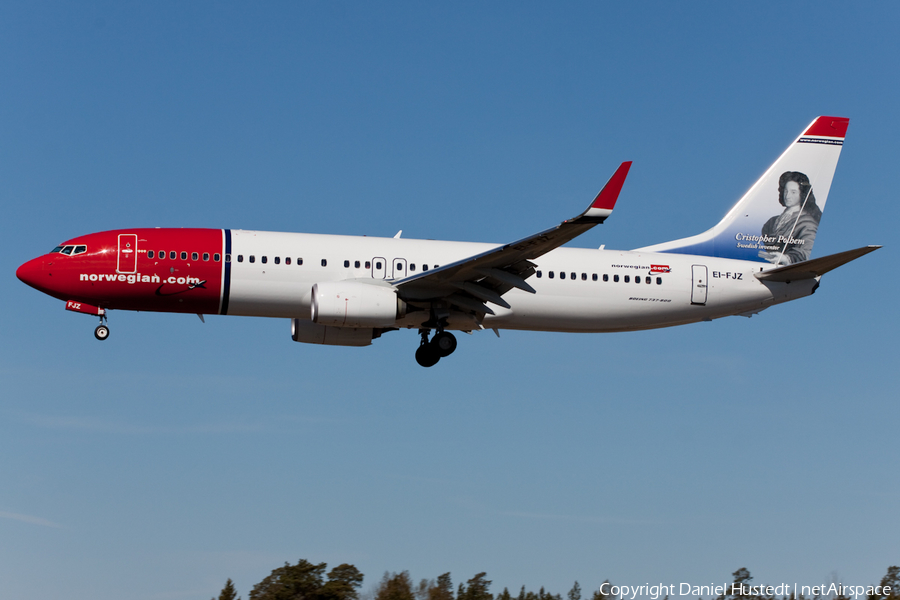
x=127 y=259
x=699 y=289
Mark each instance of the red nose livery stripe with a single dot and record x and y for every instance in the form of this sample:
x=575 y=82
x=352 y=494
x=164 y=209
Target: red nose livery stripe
x=168 y=270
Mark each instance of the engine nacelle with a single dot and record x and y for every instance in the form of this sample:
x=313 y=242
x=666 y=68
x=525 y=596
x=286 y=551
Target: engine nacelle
x=355 y=304
x=313 y=333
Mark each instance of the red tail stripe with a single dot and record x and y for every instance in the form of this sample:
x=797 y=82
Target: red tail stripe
x=829 y=127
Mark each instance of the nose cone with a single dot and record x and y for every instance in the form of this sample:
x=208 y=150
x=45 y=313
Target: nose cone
x=31 y=274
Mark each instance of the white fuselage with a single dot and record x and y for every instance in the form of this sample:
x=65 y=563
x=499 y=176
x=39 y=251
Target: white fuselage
x=612 y=290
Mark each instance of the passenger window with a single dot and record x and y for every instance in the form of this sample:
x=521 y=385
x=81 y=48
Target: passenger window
x=424 y=267
x=378 y=265
x=627 y=279
x=346 y=264
x=67 y=250
x=324 y=262
x=195 y=256
x=637 y=278
x=368 y=265
x=605 y=277
x=240 y=258
x=183 y=255
x=172 y=254
x=264 y=259
x=437 y=266
x=149 y=253
x=584 y=276
x=277 y=260
x=299 y=261
x=161 y=254
x=206 y=256
x=287 y=260
x=594 y=277
x=252 y=258
x=538 y=274
x=412 y=266
x=356 y=264
x=550 y=274
x=399 y=266
x=649 y=279
x=659 y=281
x=573 y=275
x=616 y=279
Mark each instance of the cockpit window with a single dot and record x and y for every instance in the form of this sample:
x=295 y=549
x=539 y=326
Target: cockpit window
x=57 y=249
x=80 y=249
x=67 y=250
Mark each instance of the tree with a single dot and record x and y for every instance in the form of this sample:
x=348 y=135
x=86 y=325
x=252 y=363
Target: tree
x=421 y=591
x=742 y=579
x=396 y=586
x=475 y=589
x=299 y=582
x=342 y=584
x=442 y=588
x=600 y=595
x=892 y=579
x=575 y=592
x=228 y=592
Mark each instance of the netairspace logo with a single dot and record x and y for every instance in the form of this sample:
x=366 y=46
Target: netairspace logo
x=654 y=592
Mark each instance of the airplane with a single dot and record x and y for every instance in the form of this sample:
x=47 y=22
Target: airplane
x=349 y=290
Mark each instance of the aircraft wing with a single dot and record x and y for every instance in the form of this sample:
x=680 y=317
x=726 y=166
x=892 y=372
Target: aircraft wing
x=485 y=277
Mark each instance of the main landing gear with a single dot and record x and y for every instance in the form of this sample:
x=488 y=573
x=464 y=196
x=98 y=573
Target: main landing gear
x=442 y=344
x=102 y=331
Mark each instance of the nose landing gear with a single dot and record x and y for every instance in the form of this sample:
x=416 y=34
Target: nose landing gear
x=430 y=352
x=102 y=331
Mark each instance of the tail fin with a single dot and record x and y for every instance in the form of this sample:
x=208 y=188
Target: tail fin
x=777 y=219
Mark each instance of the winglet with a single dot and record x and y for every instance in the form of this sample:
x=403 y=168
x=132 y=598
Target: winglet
x=603 y=204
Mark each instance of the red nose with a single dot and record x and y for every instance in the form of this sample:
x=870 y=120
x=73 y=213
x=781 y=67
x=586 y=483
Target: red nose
x=34 y=275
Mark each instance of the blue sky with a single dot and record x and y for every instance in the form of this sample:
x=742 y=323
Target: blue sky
x=177 y=454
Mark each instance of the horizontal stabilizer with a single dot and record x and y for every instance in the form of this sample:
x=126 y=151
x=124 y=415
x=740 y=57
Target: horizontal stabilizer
x=810 y=269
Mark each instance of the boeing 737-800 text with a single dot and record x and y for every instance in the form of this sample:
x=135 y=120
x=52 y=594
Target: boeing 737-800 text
x=347 y=290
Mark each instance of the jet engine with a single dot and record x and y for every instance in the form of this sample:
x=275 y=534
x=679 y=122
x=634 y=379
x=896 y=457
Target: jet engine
x=355 y=304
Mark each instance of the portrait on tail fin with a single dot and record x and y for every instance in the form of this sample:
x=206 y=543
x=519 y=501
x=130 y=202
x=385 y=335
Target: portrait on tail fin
x=789 y=236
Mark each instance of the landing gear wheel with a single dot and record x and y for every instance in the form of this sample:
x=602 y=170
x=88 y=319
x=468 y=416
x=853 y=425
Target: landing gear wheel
x=444 y=343
x=427 y=355
x=102 y=332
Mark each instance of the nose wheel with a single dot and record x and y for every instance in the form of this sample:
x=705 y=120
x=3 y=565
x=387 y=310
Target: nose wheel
x=430 y=352
x=102 y=331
